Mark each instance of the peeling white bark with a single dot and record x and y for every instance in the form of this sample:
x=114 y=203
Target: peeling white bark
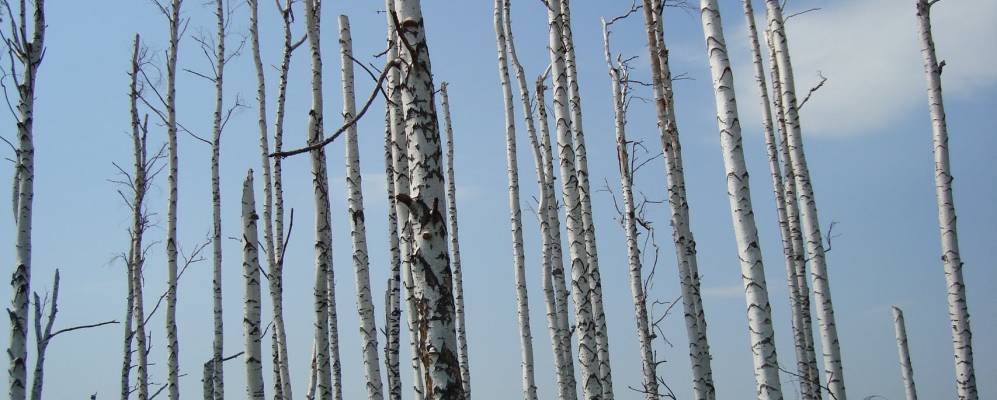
x=252 y=334
x=759 y=310
x=216 y=209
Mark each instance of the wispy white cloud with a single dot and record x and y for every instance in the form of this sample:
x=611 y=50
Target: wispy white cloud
x=870 y=51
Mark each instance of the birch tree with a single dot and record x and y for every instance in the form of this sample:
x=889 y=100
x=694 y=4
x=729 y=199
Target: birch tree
x=581 y=289
x=365 y=304
x=458 y=280
x=771 y=147
x=552 y=273
x=685 y=243
x=392 y=303
x=759 y=310
x=962 y=335
x=26 y=55
x=323 y=222
x=584 y=195
x=252 y=334
x=619 y=77
x=430 y=262
x=808 y=206
x=515 y=212
x=900 y=328
x=216 y=205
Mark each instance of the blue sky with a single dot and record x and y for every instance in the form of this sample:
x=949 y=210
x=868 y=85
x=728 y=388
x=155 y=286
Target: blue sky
x=867 y=140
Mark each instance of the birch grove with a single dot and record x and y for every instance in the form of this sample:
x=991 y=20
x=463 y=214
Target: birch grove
x=962 y=335
x=450 y=284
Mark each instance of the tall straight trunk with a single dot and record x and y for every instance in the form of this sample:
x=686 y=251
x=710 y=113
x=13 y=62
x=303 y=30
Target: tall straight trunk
x=682 y=237
x=759 y=311
x=566 y=372
x=402 y=177
x=771 y=149
x=365 y=303
x=252 y=334
x=618 y=77
x=29 y=56
x=808 y=206
x=810 y=384
x=274 y=274
x=430 y=262
x=335 y=363
x=216 y=206
x=323 y=222
x=905 y=366
x=127 y=351
x=962 y=335
x=392 y=300
x=584 y=195
x=136 y=260
x=458 y=279
x=172 y=341
x=515 y=212
x=553 y=283
x=580 y=272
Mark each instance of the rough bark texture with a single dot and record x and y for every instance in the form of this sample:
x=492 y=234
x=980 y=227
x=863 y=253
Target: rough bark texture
x=618 y=76
x=432 y=276
x=458 y=280
x=251 y=331
x=515 y=211
x=216 y=208
x=772 y=152
x=392 y=301
x=685 y=243
x=904 y=353
x=172 y=341
x=759 y=310
x=323 y=222
x=962 y=335
x=808 y=207
x=358 y=229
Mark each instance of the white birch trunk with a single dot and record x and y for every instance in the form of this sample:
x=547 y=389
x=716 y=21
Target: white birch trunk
x=906 y=369
x=172 y=340
x=252 y=334
x=810 y=384
x=566 y=373
x=772 y=152
x=365 y=303
x=458 y=280
x=584 y=195
x=580 y=273
x=808 y=207
x=759 y=311
x=962 y=335
x=618 y=76
x=135 y=256
x=392 y=301
x=685 y=243
x=216 y=208
x=430 y=262
x=515 y=212
x=323 y=222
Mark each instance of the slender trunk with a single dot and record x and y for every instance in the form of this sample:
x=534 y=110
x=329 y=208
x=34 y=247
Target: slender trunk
x=251 y=331
x=808 y=210
x=216 y=206
x=323 y=222
x=549 y=230
x=208 y=381
x=515 y=213
x=962 y=335
x=810 y=384
x=313 y=375
x=365 y=303
x=172 y=341
x=29 y=55
x=584 y=195
x=402 y=177
x=771 y=148
x=392 y=300
x=685 y=243
x=580 y=273
x=618 y=78
x=278 y=387
x=759 y=311
x=126 y=357
x=335 y=363
x=458 y=280
x=905 y=367
x=136 y=258
x=430 y=262
x=276 y=278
